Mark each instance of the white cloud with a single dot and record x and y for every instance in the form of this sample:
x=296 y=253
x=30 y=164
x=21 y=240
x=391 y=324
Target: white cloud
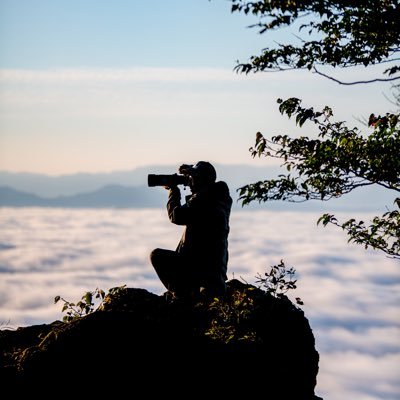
x=352 y=305
x=133 y=90
x=123 y=75
x=359 y=376
x=375 y=340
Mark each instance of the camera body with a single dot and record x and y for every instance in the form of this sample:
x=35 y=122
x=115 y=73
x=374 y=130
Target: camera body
x=167 y=180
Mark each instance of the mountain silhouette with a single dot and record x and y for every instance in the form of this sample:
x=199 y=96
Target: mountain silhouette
x=106 y=197
x=124 y=189
x=10 y=197
x=66 y=185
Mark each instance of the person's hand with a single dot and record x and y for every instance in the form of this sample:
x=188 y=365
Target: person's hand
x=170 y=187
x=185 y=169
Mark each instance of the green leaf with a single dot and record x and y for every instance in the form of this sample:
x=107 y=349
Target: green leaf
x=88 y=297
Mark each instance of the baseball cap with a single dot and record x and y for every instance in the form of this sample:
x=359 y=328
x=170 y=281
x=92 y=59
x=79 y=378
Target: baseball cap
x=205 y=170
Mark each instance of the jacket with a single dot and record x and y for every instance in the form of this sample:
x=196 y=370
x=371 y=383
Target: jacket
x=205 y=238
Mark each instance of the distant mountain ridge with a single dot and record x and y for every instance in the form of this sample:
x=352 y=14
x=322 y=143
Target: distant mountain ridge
x=65 y=185
x=128 y=189
x=15 y=198
x=110 y=196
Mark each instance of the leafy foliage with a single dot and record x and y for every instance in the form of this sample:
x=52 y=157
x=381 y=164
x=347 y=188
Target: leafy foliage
x=335 y=33
x=232 y=321
x=279 y=280
x=339 y=161
x=231 y=314
x=383 y=234
x=86 y=305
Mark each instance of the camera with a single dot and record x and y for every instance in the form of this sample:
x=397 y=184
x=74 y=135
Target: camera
x=167 y=180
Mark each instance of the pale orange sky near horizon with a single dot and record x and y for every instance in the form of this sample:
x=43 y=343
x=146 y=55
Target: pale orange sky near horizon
x=65 y=121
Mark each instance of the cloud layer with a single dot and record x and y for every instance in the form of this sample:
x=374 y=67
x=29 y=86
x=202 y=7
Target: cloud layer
x=351 y=295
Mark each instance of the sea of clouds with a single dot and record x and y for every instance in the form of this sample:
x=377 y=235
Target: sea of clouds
x=351 y=295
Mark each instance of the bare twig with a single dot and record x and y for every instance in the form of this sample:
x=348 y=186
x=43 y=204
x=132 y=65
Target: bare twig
x=355 y=82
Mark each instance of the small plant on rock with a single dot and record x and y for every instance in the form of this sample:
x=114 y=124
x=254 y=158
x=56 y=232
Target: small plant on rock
x=229 y=323
x=86 y=305
x=83 y=307
x=279 y=280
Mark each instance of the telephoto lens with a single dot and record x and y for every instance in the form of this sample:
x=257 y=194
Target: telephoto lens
x=167 y=180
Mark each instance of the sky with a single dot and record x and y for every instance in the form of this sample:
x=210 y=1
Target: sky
x=99 y=86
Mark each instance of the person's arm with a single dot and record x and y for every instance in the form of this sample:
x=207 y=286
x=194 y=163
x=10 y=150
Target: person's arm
x=174 y=204
x=177 y=213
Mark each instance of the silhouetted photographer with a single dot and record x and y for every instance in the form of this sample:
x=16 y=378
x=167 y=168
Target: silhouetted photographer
x=200 y=260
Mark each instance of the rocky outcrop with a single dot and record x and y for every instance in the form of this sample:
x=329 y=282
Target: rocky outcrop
x=248 y=342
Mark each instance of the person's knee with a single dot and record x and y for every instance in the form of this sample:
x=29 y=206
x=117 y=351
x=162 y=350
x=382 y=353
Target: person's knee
x=155 y=256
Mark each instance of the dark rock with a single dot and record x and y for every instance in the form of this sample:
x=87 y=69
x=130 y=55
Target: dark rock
x=248 y=342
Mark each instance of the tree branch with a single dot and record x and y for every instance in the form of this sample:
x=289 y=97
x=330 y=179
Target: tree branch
x=356 y=82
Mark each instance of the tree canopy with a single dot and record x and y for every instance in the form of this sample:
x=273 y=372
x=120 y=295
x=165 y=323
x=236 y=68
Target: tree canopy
x=336 y=33
x=341 y=159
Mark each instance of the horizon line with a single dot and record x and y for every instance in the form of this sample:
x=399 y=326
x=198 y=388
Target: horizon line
x=142 y=166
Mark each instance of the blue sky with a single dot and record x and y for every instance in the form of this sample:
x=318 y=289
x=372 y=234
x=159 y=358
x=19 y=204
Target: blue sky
x=184 y=33
x=111 y=85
